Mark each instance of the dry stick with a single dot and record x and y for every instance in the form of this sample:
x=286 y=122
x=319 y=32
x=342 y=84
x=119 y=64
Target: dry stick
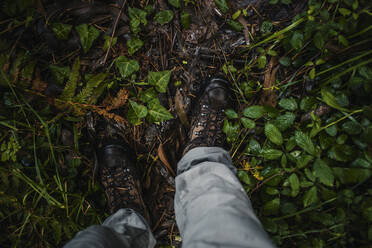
x=113 y=32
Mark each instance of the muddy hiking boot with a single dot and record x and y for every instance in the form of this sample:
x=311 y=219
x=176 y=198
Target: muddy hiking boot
x=118 y=173
x=209 y=115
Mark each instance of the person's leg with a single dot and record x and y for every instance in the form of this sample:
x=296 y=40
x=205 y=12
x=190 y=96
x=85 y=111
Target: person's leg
x=212 y=208
x=126 y=228
x=128 y=225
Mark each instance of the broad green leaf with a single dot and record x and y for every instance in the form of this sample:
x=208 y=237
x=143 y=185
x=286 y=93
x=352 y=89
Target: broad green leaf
x=137 y=16
x=297 y=40
x=70 y=88
x=231 y=130
x=285 y=121
x=248 y=123
x=330 y=100
x=351 y=175
x=164 y=16
x=285 y=61
x=236 y=14
x=288 y=103
x=61 y=30
x=273 y=134
x=159 y=79
x=303 y=160
x=134 y=44
x=307 y=103
x=323 y=172
x=266 y=27
x=175 y=3
x=157 y=113
x=150 y=96
x=106 y=45
x=319 y=40
x=126 y=67
x=185 y=19
x=261 y=61
x=344 y=12
x=254 y=112
x=244 y=177
x=310 y=197
x=87 y=36
x=271 y=207
x=136 y=112
x=351 y=127
x=304 y=141
x=312 y=73
x=231 y=114
x=222 y=5
x=253 y=147
x=272 y=154
x=341 y=153
x=295 y=184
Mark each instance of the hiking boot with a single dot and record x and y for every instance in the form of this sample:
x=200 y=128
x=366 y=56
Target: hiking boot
x=208 y=118
x=119 y=174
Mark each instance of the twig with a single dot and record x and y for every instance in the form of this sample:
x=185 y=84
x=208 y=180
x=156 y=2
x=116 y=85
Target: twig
x=113 y=32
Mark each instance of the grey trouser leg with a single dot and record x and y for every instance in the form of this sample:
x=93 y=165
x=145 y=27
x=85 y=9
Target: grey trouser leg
x=212 y=208
x=124 y=229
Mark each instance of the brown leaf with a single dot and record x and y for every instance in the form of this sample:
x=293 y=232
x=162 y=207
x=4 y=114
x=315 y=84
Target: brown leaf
x=163 y=158
x=268 y=95
x=181 y=108
x=119 y=101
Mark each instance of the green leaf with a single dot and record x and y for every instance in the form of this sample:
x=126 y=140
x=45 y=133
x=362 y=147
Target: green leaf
x=310 y=197
x=236 y=14
x=157 y=113
x=253 y=147
x=272 y=154
x=59 y=73
x=92 y=83
x=261 y=61
x=175 y=3
x=312 y=73
x=323 y=172
x=150 y=96
x=285 y=121
x=126 y=67
x=271 y=207
x=344 y=12
x=330 y=100
x=351 y=127
x=352 y=175
x=61 y=30
x=303 y=160
x=136 y=16
x=70 y=88
x=87 y=36
x=266 y=27
x=304 y=141
x=297 y=40
x=285 y=61
x=248 y=123
x=237 y=26
x=273 y=134
x=319 y=40
x=185 y=19
x=244 y=177
x=231 y=114
x=164 y=16
x=295 y=184
x=159 y=79
x=231 y=130
x=106 y=45
x=134 y=44
x=136 y=112
x=288 y=103
x=254 y=112
x=222 y=5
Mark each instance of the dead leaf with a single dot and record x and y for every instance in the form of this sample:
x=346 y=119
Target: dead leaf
x=268 y=95
x=119 y=101
x=245 y=29
x=164 y=160
x=181 y=108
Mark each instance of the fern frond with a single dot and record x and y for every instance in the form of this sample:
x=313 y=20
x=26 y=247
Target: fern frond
x=87 y=92
x=70 y=88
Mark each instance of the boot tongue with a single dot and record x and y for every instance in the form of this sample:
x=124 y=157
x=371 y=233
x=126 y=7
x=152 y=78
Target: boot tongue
x=217 y=98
